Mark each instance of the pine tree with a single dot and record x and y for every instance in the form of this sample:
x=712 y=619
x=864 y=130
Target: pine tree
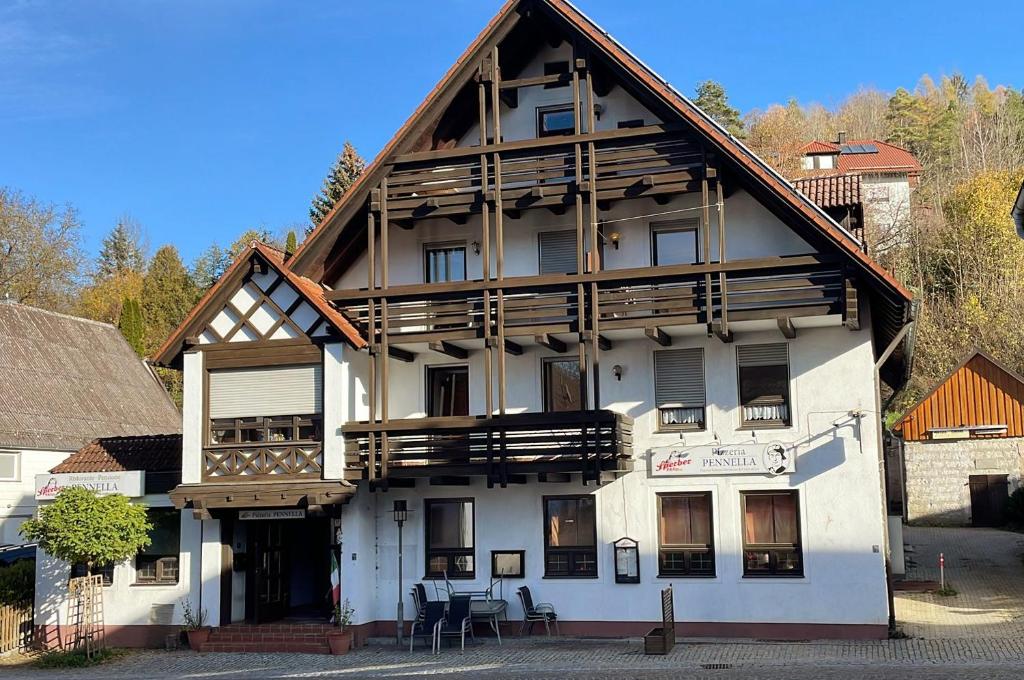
x=133 y=326
x=122 y=250
x=291 y=243
x=168 y=294
x=712 y=100
x=343 y=174
x=209 y=266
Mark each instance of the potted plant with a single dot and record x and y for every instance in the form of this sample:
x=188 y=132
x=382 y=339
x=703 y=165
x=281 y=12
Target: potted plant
x=339 y=637
x=195 y=625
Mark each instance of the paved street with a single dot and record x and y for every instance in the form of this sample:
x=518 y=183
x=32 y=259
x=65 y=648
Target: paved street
x=978 y=633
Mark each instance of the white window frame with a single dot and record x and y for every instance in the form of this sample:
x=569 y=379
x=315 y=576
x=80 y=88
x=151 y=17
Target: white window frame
x=17 y=465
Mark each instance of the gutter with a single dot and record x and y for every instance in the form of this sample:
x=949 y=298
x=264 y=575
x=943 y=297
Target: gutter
x=1017 y=213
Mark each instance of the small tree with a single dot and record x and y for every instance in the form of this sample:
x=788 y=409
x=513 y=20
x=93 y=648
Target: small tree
x=346 y=170
x=291 y=243
x=81 y=526
x=712 y=100
x=133 y=326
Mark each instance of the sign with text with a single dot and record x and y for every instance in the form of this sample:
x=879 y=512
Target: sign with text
x=773 y=458
x=129 y=483
x=284 y=513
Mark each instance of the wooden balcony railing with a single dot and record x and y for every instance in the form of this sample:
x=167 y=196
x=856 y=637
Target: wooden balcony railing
x=642 y=298
x=262 y=461
x=587 y=442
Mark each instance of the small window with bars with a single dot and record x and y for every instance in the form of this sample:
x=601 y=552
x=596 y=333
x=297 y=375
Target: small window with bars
x=679 y=389
x=764 y=385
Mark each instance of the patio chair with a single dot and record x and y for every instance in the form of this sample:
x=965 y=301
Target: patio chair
x=430 y=625
x=459 y=620
x=419 y=598
x=490 y=607
x=532 y=613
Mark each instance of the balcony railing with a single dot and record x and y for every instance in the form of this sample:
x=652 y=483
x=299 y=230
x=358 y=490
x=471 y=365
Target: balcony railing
x=586 y=442
x=262 y=461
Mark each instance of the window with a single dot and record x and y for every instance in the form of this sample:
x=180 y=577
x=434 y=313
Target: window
x=555 y=120
x=685 y=546
x=570 y=537
x=106 y=571
x=158 y=562
x=444 y=263
x=274 y=429
x=508 y=563
x=449 y=527
x=557 y=252
x=9 y=468
x=556 y=67
x=675 y=242
x=764 y=385
x=771 y=534
x=562 y=385
x=447 y=391
x=679 y=388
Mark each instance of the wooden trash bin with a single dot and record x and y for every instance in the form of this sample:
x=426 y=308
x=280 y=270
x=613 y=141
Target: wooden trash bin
x=662 y=639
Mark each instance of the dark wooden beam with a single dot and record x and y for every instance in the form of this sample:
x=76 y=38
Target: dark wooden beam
x=723 y=335
x=551 y=342
x=787 y=327
x=513 y=348
x=603 y=343
x=459 y=218
x=449 y=480
x=454 y=351
x=401 y=354
x=657 y=335
x=554 y=477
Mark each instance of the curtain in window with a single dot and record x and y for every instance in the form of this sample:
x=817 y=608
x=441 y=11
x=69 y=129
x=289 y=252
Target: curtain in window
x=766 y=412
x=685 y=520
x=682 y=416
x=770 y=519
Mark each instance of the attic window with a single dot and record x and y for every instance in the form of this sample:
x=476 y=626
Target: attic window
x=555 y=120
x=552 y=68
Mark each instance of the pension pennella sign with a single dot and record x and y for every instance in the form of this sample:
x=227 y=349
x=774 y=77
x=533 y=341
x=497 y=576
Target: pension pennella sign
x=772 y=458
x=130 y=483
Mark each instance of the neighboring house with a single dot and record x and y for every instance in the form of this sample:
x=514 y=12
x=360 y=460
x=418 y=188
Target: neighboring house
x=840 y=197
x=886 y=176
x=549 y=317
x=962 y=445
x=140 y=596
x=63 y=382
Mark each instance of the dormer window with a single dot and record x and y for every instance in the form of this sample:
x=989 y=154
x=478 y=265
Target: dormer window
x=555 y=120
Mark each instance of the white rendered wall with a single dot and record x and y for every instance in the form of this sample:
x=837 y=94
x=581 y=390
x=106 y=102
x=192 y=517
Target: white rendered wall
x=192 y=424
x=17 y=497
x=886 y=207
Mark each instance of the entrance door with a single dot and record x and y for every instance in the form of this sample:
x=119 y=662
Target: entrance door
x=988 y=496
x=269 y=574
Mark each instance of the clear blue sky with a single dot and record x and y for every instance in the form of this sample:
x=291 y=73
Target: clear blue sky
x=202 y=118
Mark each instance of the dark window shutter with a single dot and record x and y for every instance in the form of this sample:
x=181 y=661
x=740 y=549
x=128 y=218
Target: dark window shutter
x=557 y=252
x=679 y=377
x=762 y=355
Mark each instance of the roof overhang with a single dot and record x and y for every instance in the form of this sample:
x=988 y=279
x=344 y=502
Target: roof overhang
x=246 y=495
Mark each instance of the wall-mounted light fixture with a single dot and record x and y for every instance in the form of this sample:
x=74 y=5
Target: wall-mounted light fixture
x=598 y=110
x=617 y=371
x=476 y=247
x=614 y=238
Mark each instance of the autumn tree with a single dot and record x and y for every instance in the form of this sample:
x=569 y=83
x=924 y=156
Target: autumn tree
x=343 y=173
x=168 y=294
x=712 y=100
x=209 y=266
x=133 y=326
x=40 y=251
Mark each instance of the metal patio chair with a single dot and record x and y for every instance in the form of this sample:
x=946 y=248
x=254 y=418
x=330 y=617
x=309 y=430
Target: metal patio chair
x=430 y=625
x=490 y=608
x=458 y=621
x=532 y=613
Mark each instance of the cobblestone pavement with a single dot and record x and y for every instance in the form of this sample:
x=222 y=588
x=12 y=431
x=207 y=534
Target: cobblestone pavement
x=984 y=566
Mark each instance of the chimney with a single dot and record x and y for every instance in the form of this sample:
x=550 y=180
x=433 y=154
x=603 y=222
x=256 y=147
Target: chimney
x=842 y=137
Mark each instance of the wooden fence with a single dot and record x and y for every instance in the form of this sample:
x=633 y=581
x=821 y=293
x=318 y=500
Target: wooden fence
x=16 y=627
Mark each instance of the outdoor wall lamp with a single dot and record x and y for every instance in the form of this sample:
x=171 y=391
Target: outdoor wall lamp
x=598 y=110
x=617 y=372
x=401 y=512
x=627 y=560
x=476 y=247
x=614 y=238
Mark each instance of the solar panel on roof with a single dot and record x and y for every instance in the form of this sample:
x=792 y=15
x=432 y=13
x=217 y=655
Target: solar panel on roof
x=858 y=148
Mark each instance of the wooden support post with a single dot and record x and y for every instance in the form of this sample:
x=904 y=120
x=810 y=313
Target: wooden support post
x=371 y=236
x=501 y=354
x=659 y=336
x=551 y=342
x=787 y=327
x=384 y=381
x=706 y=230
x=724 y=332
x=595 y=354
x=447 y=348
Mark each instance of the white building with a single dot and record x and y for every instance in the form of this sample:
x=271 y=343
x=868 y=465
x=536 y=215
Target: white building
x=601 y=317
x=63 y=382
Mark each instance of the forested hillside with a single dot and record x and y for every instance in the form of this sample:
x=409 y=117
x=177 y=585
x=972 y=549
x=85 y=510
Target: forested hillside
x=957 y=251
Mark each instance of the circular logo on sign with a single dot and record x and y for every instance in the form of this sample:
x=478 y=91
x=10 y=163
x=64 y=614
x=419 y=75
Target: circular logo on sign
x=775 y=458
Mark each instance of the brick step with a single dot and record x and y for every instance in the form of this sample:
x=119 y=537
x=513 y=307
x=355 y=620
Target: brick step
x=268 y=637
x=290 y=647
x=276 y=628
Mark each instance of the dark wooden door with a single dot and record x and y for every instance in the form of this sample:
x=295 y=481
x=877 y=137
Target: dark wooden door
x=270 y=578
x=988 y=496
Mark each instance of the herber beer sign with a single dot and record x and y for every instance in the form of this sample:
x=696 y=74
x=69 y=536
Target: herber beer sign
x=773 y=458
x=129 y=483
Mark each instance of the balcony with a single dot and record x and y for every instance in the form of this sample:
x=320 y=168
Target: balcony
x=264 y=461
x=500 y=448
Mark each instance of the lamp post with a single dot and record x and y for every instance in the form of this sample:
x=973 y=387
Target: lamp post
x=401 y=514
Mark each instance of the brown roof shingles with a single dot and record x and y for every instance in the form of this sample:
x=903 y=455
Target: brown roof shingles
x=831 y=191
x=65 y=381
x=152 y=453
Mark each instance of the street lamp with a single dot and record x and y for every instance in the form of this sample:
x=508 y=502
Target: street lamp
x=401 y=512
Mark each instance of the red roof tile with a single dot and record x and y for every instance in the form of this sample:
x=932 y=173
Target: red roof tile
x=819 y=147
x=890 y=158
x=151 y=453
x=831 y=191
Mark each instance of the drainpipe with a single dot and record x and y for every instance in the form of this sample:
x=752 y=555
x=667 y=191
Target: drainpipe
x=1017 y=213
x=881 y=465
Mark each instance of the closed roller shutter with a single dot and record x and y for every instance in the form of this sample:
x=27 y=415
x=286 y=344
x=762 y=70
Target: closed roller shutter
x=274 y=391
x=557 y=252
x=762 y=355
x=679 y=377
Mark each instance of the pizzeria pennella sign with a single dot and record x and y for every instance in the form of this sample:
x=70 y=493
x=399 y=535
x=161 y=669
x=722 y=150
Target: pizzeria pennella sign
x=772 y=458
x=130 y=483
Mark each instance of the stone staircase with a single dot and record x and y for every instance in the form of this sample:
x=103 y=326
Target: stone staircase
x=298 y=638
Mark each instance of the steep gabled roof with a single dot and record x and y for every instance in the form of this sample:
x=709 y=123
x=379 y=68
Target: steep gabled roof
x=831 y=191
x=888 y=159
x=65 y=381
x=310 y=258
x=979 y=391
x=818 y=147
x=231 y=279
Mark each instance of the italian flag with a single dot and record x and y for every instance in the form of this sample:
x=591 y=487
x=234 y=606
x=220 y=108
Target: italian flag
x=335 y=578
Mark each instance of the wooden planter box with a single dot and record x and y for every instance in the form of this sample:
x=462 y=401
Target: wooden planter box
x=659 y=641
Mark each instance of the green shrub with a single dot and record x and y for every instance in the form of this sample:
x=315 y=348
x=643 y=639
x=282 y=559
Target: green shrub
x=77 y=658
x=17 y=583
x=1015 y=508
